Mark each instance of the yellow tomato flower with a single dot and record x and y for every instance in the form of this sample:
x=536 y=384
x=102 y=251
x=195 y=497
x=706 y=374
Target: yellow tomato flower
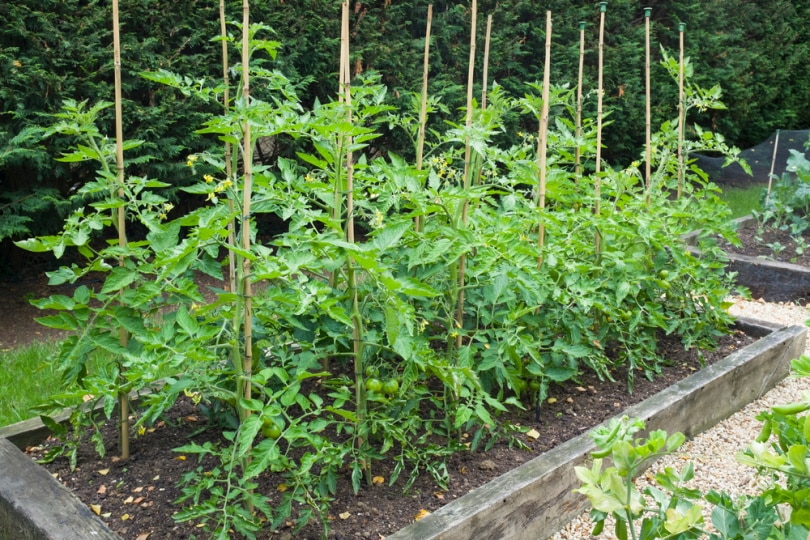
x=208 y=178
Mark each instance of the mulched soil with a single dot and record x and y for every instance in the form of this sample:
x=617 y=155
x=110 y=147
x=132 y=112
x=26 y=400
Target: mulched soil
x=760 y=241
x=136 y=496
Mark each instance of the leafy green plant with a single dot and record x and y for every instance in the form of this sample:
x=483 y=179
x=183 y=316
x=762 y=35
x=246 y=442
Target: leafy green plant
x=668 y=509
x=341 y=340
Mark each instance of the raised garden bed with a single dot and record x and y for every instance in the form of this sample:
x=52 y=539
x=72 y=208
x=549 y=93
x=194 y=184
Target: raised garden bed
x=531 y=501
x=766 y=274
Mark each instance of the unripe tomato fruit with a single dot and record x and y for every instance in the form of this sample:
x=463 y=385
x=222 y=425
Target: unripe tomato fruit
x=391 y=386
x=374 y=385
x=271 y=429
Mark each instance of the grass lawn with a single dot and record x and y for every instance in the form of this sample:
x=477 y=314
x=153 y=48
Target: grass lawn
x=743 y=200
x=27 y=378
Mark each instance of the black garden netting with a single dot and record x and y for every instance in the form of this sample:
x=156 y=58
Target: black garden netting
x=759 y=158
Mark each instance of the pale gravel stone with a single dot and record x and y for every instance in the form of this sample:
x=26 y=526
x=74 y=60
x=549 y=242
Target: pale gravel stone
x=713 y=451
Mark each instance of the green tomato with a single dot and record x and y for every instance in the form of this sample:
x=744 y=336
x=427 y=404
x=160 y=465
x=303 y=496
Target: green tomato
x=271 y=429
x=663 y=284
x=374 y=385
x=663 y=274
x=372 y=371
x=391 y=386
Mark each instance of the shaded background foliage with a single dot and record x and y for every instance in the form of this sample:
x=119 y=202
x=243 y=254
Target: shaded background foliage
x=51 y=50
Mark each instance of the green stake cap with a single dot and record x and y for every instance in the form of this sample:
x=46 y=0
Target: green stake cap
x=602 y=6
x=647 y=12
x=582 y=25
x=681 y=27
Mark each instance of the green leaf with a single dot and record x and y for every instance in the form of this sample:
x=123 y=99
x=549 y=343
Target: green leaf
x=388 y=236
x=187 y=322
x=118 y=278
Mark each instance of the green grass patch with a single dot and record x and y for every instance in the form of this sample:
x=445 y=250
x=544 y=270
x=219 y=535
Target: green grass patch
x=27 y=379
x=743 y=200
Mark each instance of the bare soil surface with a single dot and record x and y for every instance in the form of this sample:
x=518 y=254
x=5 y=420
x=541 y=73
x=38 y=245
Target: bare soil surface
x=771 y=243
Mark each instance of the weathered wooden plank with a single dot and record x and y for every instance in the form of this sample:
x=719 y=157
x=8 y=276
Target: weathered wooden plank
x=35 y=506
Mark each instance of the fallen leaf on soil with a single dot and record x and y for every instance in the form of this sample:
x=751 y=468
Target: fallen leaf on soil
x=281 y=488
x=552 y=400
x=569 y=400
x=102 y=489
x=421 y=514
x=104 y=472
x=96 y=508
x=344 y=515
x=439 y=495
x=144 y=536
x=191 y=418
x=378 y=480
x=137 y=489
x=125 y=517
x=128 y=500
x=155 y=479
x=180 y=458
x=139 y=500
x=533 y=434
x=581 y=389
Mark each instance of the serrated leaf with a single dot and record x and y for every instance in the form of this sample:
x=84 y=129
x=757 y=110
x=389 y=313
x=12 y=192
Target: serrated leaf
x=118 y=278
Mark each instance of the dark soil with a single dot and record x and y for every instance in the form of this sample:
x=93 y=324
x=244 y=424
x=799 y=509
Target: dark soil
x=770 y=243
x=136 y=496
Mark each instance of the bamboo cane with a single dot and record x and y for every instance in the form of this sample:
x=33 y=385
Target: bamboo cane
x=599 y=98
x=246 y=287
x=542 y=143
x=420 y=143
x=681 y=113
x=578 y=149
x=773 y=163
x=226 y=96
x=648 y=134
x=357 y=319
x=485 y=74
x=123 y=400
x=462 y=262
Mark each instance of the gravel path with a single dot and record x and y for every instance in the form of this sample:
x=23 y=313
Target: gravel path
x=713 y=452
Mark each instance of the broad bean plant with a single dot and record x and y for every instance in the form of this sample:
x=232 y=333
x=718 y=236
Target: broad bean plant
x=669 y=508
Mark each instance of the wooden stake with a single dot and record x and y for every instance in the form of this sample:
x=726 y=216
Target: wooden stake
x=462 y=263
x=681 y=113
x=420 y=143
x=542 y=142
x=578 y=149
x=246 y=197
x=123 y=399
x=648 y=147
x=226 y=97
x=773 y=163
x=599 y=98
x=485 y=75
